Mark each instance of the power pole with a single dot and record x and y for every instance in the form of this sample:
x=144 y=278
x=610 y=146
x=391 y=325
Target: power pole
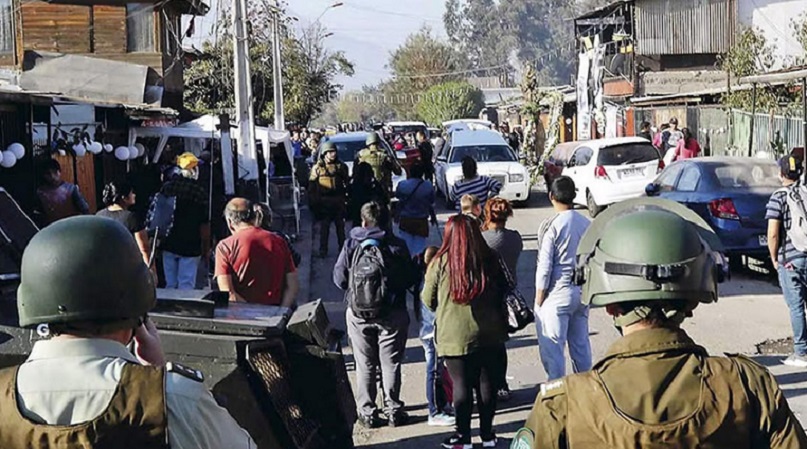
x=247 y=151
x=277 y=69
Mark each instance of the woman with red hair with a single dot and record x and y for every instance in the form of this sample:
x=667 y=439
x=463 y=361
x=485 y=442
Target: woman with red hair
x=465 y=287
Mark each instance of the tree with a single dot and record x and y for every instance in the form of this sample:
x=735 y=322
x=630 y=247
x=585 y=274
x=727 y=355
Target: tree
x=799 y=26
x=420 y=63
x=751 y=54
x=449 y=101
x=474 y=26
x=309 y=70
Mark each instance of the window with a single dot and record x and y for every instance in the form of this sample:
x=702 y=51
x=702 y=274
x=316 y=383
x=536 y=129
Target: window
x=6 y=29
x=668 y=177
x=484 y=153
x=581 y=157
x=689 y=179
x=748 y=174
x=140 y=27
x=632 y=153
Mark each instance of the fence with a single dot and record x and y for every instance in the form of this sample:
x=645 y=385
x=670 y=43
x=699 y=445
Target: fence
x=791 y=131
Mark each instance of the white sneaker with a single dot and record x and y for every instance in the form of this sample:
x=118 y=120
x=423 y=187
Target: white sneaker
x=442 y=420
x=799 y=361
x=490 y=443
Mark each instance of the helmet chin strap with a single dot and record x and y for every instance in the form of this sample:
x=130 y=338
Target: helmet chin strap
x=674 y=315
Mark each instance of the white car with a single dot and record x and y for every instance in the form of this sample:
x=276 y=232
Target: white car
x=606 y=171
x=494 y=158
x=348 y=146
x=467 y=124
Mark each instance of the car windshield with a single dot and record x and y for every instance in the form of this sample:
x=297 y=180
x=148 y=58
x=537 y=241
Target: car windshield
x=747 y=175
x=483 y=153
x=347 y=149
x=630 y=153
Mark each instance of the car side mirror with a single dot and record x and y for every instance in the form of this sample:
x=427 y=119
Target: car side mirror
x=652 y=189
x=570 y=163
x=442 y=159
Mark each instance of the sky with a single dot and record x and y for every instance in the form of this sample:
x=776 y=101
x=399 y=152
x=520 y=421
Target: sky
x=366 y=30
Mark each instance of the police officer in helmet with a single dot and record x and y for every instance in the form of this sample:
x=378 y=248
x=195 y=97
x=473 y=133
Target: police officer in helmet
x=327 y=190
x=84 y=278
x=656 y=387
x=382 y=163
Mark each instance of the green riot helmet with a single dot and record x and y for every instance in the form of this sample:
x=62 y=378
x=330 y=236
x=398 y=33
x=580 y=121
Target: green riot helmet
x=372 y=139
x=326 y=147
x=649 y=249
x=83 y=269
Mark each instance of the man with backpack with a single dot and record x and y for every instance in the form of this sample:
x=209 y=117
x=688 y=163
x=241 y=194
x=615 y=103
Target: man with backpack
x=375 y=270
x=787 y=244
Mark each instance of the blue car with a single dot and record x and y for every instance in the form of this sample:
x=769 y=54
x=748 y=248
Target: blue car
x=730 y=193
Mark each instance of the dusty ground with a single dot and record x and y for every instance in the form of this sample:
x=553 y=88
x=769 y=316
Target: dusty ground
x=750 y=312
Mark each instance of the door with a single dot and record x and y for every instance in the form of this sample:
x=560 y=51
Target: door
x=580 y=172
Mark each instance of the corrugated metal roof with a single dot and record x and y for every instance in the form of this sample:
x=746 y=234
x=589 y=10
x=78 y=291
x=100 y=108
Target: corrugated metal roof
x=681 y=27
x=603 y=9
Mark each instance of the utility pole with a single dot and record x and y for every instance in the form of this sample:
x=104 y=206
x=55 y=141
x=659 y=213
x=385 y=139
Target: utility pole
x=277 y=69
x=247 y=151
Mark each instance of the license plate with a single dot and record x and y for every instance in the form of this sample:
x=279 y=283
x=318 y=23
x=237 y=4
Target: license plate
x=763 y=240
x=628 y=172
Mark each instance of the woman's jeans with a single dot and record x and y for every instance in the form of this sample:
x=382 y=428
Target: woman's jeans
x=793 y=279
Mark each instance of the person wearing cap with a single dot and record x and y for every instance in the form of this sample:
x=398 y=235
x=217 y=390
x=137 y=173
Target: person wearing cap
x=656 y=387
x=327 y=190
x=83 y=279
x=789 y=261
x=189 y=238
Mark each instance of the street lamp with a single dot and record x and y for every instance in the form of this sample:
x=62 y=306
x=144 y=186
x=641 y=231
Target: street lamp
x=328 y=8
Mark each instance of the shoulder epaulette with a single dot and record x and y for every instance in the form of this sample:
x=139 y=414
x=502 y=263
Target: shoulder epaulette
x=552 y=389
x=185 y=371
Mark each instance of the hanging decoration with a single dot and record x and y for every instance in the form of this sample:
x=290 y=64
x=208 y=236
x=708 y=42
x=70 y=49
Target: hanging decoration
x=18 y=149
x=141 y=150
x=95 y=147
x=133 y=152
x=80 y=149
x=122 y=153
x=7 y=159
x=108 y=148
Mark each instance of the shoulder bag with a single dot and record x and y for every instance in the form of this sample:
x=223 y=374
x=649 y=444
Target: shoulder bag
x=519 y=315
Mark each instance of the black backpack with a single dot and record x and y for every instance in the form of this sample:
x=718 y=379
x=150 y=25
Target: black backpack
x=369 y=294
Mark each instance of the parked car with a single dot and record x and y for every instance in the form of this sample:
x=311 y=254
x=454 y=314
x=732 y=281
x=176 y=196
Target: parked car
x=557 y=161
x=348 y=146
x=606 y=171
x=393 y=128
x=467 y=124
x=494 y=158
x=730 y=193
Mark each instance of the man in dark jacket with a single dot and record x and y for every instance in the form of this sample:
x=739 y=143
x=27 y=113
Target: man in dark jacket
x=380 y=341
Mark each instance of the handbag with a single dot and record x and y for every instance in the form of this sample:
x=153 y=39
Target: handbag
x=519 y=314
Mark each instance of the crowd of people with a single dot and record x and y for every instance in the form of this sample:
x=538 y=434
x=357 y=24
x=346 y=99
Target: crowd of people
x=673 y=143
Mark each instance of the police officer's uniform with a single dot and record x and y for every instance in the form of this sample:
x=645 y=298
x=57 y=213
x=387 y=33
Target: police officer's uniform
x=383 y=165
x=656 y=387
x=328 y=197
x=85 y=276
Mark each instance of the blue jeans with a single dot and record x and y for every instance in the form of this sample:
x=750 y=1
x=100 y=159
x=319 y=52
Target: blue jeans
x=561 y=320
x=793 y=279
x=414 y=243
x=180 y=272
x=435 y=396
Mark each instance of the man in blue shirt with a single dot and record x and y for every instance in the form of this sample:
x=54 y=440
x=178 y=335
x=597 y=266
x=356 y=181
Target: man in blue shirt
x=561 y=316
x=790 y=263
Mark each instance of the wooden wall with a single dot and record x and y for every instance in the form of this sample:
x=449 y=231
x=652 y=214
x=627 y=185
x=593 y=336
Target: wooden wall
x=83 y=176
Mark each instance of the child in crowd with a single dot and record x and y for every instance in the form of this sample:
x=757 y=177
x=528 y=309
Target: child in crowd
x=440 y=413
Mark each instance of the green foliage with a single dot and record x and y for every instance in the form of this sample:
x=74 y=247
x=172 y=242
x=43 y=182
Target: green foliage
x=799 y=27
x=420 y=63
x=538 y=33
x=309 y=70
x=449 y=101
x=751 y=54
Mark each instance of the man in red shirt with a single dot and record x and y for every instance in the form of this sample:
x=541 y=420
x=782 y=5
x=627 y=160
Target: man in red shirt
x=254 y=265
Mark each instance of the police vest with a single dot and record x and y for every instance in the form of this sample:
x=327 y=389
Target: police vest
x=722 y=420
x=376 y=159
x=330 y=178
x=135 y=418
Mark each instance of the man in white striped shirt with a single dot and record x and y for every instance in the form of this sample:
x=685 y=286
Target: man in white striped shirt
x=472 y=183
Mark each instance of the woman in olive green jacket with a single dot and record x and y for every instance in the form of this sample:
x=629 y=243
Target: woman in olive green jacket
x=465 y=287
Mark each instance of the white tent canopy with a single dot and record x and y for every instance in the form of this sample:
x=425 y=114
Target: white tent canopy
x=197 y=132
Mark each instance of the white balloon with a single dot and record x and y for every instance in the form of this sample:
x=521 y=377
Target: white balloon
x=108 y=148
x=17 y=149
x=122 y=153
x=80 y=149
x=141 y=150
x=95 y=148
x=7 y=159
x=133 y=153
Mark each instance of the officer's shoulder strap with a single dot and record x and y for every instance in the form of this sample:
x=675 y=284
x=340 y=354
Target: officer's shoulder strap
x=185 y=371
x=552 y=389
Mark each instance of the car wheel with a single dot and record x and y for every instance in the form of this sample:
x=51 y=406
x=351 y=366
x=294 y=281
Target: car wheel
x=593 y=208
